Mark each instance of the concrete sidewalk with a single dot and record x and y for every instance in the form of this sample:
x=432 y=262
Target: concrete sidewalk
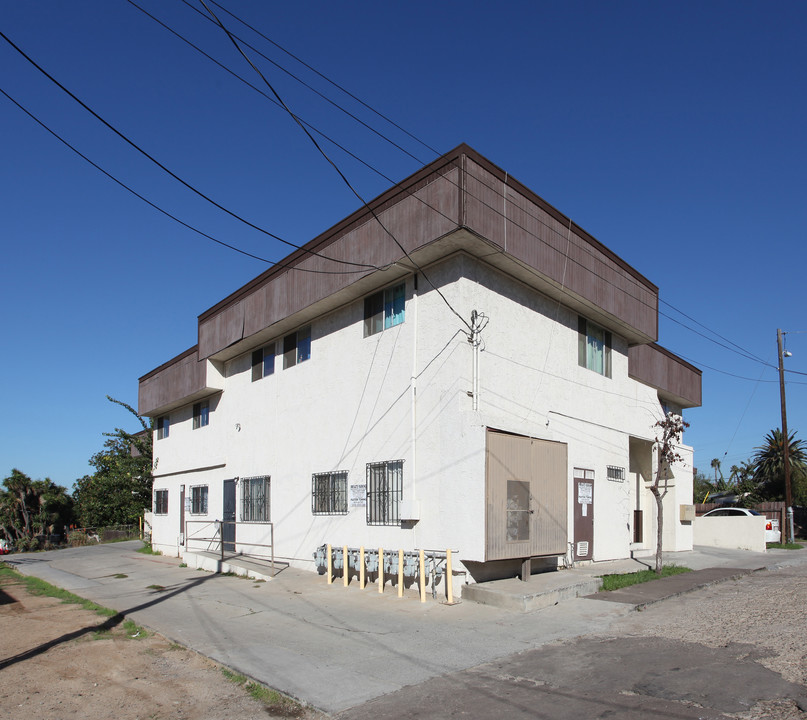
x=334 y=647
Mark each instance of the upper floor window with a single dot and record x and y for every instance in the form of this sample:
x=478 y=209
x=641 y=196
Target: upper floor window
x=263 y=362
x=255 y=499
x=329 y=493
x=384 y=492
x=201 y=414
x=297 y=347
x=384 y=309
x=594 y=347
x=163 y=424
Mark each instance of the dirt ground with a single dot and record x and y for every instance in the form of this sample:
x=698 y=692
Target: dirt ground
x=55 y=665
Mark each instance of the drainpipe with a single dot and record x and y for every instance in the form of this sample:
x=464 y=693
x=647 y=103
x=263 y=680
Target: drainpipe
x=413 y=305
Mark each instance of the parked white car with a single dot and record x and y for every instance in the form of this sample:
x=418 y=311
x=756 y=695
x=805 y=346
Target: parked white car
x=772 y=532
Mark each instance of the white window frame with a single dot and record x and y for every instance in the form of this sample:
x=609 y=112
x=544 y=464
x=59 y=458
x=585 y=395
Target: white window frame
x=379 y=309
x=594 y=347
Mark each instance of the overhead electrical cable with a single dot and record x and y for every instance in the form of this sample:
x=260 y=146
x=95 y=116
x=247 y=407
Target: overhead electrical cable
x=134 y=192
x=738 y=349
x=336 y=168
x=258 y=90
x=327 y=79
x=173 y=174
x=235 y=38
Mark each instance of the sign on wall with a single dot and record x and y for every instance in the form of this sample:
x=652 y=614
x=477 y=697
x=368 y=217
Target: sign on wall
x=358 y=495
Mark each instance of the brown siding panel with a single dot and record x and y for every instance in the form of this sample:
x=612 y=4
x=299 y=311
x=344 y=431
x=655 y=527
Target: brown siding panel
x=170 y=383
x=539 y=239
x=669 y=374
x=413 y=220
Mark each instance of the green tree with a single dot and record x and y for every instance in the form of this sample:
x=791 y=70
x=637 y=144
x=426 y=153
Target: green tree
x=120 y=487
x=769 y=467
x=701 y=487
x=31 y=508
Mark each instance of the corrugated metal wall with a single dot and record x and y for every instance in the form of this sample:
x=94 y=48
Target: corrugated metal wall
x=512 y=460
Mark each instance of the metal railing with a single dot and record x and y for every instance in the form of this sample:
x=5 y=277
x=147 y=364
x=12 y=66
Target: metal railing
x=214 y=542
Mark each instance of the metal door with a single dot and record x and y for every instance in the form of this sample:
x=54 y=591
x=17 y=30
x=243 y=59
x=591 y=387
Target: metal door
x=583 y=514
x=228 y=516
x=526 y=497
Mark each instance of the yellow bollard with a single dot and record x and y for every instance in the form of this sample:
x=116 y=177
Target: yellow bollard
x=345 y=565
x=449 y=578
x=330 y=565
x=400 y=573
x=380 y=570
x=422 y=578
x=361 y=568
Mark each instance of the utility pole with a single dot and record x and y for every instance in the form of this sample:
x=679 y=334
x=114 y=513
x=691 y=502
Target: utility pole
x=785 y=439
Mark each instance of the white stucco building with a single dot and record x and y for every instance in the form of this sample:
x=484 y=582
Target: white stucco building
x=492 y=389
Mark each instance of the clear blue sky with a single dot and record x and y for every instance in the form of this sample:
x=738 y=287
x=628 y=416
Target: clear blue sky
x=673 y=132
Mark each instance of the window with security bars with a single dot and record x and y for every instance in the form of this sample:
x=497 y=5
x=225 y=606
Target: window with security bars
x=329 y=493
x=615 y=474
x=161 y=502
x=255 y=499
x=384 y=492
x=199 y=500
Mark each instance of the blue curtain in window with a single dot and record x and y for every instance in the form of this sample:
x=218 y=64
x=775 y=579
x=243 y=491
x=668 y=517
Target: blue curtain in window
x=394 y=303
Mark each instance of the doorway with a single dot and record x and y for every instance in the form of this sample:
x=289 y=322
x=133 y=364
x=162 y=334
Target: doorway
x=228 y=517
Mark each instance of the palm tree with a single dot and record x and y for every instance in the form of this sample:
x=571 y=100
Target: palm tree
x=769 y=464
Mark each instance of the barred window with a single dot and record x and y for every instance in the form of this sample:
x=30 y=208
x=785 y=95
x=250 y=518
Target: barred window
x=161 y=502
x=329 y=493
x=199 y=500
x=255 y=499
x=384 y=492
x=616 y=474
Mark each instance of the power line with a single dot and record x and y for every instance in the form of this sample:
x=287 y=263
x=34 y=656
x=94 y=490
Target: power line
x=336 y=168
x=327 y=79
x=233 y=37
x=170 y=172
x=256 y=89
x=163 y=211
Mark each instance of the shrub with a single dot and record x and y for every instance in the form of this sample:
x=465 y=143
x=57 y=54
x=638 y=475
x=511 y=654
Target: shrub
x=77 y=538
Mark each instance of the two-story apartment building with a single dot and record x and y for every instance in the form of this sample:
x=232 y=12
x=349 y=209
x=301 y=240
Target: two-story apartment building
x=486 y=380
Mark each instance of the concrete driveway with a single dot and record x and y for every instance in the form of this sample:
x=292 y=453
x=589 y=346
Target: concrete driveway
x=331 y=647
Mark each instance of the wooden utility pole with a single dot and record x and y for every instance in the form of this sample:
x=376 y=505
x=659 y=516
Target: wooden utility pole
x=785 y=440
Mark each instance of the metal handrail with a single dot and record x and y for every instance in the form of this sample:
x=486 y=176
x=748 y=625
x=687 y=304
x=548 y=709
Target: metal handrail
x=217 y=539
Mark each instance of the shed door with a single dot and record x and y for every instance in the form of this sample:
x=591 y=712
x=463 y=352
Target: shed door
x=526 y=497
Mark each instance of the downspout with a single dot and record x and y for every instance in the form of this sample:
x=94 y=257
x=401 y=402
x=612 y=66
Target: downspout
x=413 y=305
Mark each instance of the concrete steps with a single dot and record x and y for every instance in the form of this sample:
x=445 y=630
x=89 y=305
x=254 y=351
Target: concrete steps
x=243 y=565
x=540 y=591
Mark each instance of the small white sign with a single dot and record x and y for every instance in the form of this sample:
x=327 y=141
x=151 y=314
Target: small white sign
x=585 y=493
x=358 y=495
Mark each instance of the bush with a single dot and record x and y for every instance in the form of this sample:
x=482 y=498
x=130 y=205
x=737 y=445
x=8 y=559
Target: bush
x=78 y=538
